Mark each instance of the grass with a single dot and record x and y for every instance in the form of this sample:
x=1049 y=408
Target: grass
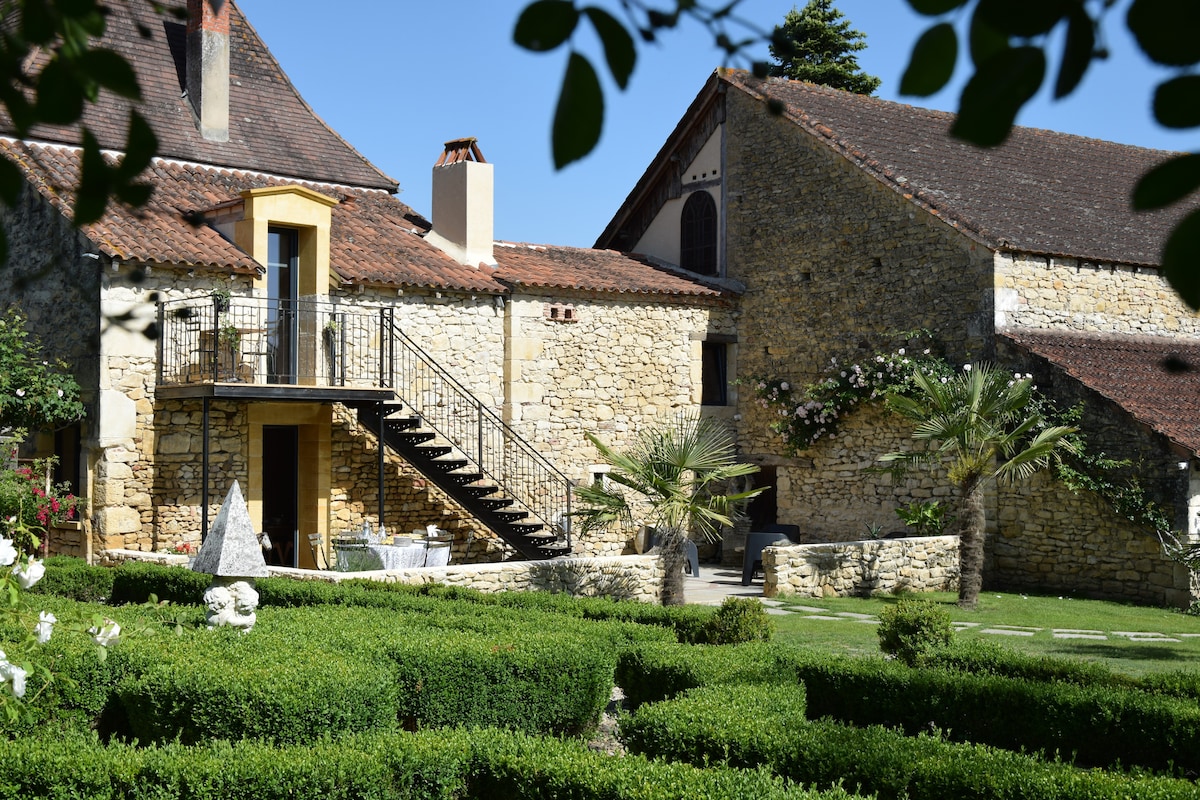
x=1045 y=613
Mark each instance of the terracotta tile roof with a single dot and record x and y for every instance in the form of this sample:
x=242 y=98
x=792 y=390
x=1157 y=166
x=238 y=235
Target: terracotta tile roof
x=272 y=129
x=1155 y=378
x=584 y=269
x=374 y=238
x=1040 y=192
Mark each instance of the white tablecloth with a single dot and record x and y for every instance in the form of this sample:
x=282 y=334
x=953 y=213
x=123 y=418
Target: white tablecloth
x=360 y=558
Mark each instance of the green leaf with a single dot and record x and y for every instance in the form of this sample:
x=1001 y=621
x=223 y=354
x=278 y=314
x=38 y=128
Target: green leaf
x=111 y=71
x=619 y=49
x=37 y=22
x=11 y=182
x=1181 y=260
x=1077 y=51
x=932 y=62
x=991 y=99
x=1023 y=18
x=59 y=94
x=1169 y=182
x=933 y=8
x=545 y=24
x=579 y=114
x=984 y=41
x=94 y=182
x=140 y=146
x=1177 y=102
x=1166 y=30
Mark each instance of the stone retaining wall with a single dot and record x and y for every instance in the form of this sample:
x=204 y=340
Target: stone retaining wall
x=624 y=578
x=844 y=569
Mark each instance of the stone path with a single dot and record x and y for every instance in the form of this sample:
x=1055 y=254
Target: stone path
x=811 y=612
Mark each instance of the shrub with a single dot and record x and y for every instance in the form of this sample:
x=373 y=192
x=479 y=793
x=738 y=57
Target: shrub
x=913 y=629
x=765 y=727
x=657 y=671
x=75 y=579
x=738 y=620
x=136 y=582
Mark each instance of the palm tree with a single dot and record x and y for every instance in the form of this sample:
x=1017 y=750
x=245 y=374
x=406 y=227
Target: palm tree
x=980 y=424
x=678 y=473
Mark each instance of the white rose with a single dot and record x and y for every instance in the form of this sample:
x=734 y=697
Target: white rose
x=107 y=635
x=29 y=574
x=8 y=553
x=45 y=627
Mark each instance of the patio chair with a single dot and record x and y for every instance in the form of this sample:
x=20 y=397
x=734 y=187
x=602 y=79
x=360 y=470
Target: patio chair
x=690 y=551
x=756 y=542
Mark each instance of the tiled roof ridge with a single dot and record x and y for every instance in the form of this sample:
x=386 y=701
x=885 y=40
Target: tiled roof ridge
x=1140 y=340
x=309 y=182
x=707 y=282
x=274 y=63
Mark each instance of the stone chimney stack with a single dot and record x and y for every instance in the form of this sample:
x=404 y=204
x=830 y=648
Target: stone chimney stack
x=462 y=204
x=208 y=66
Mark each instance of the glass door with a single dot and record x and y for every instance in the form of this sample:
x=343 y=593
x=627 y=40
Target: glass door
x=282 y=281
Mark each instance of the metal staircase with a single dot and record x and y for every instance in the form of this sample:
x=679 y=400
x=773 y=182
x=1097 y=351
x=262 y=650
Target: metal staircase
x=464 y=448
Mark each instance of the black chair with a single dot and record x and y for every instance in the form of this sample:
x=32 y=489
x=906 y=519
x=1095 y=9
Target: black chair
x=790 y=531
x=756 y=542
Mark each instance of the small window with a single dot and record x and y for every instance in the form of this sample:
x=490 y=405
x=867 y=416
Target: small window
x=698 y=234
x=714 y=374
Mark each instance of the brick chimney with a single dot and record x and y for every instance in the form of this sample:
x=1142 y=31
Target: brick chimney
x=208 y=66
x=462 y=204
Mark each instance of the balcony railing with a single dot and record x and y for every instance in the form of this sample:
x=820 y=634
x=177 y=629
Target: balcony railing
x=264 y=341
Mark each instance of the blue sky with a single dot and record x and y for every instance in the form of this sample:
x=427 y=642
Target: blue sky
x=397 y=78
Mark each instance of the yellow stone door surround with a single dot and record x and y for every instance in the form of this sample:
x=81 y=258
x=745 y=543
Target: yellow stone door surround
x=314 y=422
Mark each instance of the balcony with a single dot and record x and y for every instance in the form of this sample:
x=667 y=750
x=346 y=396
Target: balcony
x=257 y=347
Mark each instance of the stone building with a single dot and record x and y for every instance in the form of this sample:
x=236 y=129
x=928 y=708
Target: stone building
x=843 y=220
x=343 y=358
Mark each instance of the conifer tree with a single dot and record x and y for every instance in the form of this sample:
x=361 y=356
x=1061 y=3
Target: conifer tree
x=817 y=44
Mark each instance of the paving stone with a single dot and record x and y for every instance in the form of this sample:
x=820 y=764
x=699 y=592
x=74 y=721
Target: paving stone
x=1152 y=639
x=780 y=612
x=1068 y=635
x=852 y=615
x=822 y=616
x=1009 y=631
x=1077 y=630
x=809 y=609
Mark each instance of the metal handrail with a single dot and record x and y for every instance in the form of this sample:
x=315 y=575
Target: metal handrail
x=497 y=451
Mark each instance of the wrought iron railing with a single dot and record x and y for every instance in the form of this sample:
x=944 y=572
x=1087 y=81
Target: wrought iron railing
x=268 y=341
x=218 y=339
x=496 y=450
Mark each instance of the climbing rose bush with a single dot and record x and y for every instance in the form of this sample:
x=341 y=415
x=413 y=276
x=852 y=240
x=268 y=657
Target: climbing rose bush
x=28 y=501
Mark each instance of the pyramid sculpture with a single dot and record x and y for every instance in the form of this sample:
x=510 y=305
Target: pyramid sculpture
x=232 y=549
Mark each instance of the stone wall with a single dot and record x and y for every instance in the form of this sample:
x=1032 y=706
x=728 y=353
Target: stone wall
x=862 y=568
x=612 y=368
x=1070 y=294
x=834 y=262
x=1050 y=539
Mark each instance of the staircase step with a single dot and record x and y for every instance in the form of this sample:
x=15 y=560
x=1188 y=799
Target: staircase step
x=525 y=528
x=463 y=478
x=541 y=537
x=434 y=451
x=496 y=503
x=511 y=516
x=448 y=464
x=414 y=438
x=402 y=423
x=480 y=491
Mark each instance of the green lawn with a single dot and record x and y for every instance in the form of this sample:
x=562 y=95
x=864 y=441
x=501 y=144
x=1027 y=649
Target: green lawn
x=846 y=635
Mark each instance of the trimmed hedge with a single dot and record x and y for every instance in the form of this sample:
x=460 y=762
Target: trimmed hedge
x=1097 y=725
x=136 y=582
x=472 y=765
x=658 y=671
x=758 y=726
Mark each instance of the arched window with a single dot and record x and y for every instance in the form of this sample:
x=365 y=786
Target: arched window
x=698 y=234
